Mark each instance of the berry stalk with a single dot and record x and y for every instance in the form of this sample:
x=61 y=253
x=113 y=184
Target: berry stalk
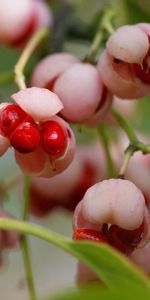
x=134 y=143
x=105 y=26
x=27 y=52
x=102 y=131
x=24 y=243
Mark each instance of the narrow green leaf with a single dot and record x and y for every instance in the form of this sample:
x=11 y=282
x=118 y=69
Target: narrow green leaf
x=96 y=293
x=110 y=266
x=113 y=268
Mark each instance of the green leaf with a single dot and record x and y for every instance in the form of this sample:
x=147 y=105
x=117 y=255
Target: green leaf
x=95 y=292
x=109 y=265
x=113 y=268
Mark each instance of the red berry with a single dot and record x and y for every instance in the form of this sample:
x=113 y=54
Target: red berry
x=10 y=118
x=54 y=139
x=124 y=240
x=89 y=235
x=26 y=137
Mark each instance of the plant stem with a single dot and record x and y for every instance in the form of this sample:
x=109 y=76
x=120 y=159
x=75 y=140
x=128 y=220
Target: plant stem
x=103 y=133
x=26 y=197
x=27 y=52
x=24 y=243
x=134 y=143
x=105 y=26
x=125 y=126
x=128 y=153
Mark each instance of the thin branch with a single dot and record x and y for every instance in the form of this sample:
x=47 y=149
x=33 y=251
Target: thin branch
x=26 y=54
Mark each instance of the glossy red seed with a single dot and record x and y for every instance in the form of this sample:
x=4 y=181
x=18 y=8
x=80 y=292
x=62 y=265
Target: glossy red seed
x=10 y=118
x=89 y=235
x=26 y=137
x=123 y=240
x=53 y=137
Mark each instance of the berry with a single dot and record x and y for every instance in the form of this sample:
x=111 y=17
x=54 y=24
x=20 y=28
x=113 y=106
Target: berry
x=48 y=70
x=17 y=25
x=117 y=209
x=124 y=64
x=29 y=30
x=26 y=137
x=124 y=240
x=83 y=96
x=90 y=235
x=10 y=117
x=53 y=138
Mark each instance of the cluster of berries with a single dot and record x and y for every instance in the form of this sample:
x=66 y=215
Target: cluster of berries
x=44 y=143
x=113 y=211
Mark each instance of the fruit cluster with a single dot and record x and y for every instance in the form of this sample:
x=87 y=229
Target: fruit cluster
x=44 y=143
x=67 y=89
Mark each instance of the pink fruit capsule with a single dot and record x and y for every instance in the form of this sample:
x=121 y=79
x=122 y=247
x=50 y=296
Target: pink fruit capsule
x=17 y=25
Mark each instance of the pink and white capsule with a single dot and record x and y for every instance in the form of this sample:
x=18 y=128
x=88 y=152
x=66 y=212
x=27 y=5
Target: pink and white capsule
x=112 y=201
x=19 y=19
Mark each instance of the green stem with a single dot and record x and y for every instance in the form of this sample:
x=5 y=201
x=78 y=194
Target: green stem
x=125 y=126
x=24 y=243
x=107 y=20
x=105 y=26
x=27 y=52
x=103 y=133
x=134 y=143
x=128 y=153
x=38 y=231
x=26 y=197
x=145 y=149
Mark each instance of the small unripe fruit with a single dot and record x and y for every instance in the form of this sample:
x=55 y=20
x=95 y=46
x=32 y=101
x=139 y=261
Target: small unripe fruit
x=53 y=138
x=50 y=68
x=26 y=137
x=20 y=19
x=10 y=117
x=128 y=43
